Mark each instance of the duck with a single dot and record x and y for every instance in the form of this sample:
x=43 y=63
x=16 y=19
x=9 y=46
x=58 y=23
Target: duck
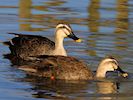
x=24 y=46
x=69 y=68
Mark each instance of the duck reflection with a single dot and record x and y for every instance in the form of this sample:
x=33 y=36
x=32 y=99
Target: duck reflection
x=59 y=89
x=107 y=89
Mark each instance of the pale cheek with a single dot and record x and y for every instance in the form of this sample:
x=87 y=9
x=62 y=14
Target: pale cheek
x=65 y=36
x=62 y=33
x=115 y=67
x=111 y=68
x=66 y=32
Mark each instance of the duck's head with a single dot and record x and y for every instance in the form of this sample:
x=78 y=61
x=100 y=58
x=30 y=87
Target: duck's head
x=109 y=64
x=64 y=30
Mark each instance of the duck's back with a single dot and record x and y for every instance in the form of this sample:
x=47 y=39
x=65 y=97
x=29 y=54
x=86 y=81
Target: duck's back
x=29 y=45
x=70 y=68
x=60 y=67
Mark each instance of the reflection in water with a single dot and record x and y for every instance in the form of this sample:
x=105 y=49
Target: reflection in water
x=122 y=25
x=94 y=15
x=122 y=22
x=42 y=17
x=25 y=9
x=25 y=12
x=95 y=22
x=107 y=88
x=59 y=89
x=107 y=34
x=93 y=25
x=31 y=21
x=55 y=3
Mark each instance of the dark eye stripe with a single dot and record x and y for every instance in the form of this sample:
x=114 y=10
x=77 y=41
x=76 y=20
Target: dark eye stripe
x=66 y=28
x=114 y=62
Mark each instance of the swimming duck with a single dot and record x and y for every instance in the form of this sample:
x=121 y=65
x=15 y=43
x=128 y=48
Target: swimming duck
x=24 y=46
x=69 y=68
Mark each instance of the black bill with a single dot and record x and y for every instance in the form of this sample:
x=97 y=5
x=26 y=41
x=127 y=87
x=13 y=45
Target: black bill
x=72 y=35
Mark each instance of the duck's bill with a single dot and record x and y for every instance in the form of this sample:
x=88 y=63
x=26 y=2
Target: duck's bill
x=123 y=73
x=72 y=35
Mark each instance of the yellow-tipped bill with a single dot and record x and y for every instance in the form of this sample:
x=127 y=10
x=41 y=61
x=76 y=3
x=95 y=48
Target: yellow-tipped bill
x=79 y=40
x=74 y=37
x=124 y=74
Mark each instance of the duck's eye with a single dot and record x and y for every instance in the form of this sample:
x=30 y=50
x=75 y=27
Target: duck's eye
x=63 y=27
x=114 y=62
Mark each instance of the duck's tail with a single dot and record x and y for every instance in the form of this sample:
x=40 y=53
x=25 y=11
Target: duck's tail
x=16 y=34
x=7 y=43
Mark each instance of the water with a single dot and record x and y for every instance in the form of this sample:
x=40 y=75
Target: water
x=104 y=25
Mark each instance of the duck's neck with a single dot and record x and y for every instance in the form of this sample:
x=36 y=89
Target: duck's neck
x=59 y=48
x=101 y=72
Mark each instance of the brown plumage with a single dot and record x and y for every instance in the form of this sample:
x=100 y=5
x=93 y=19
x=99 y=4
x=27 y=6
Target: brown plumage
x=25 y=46
x=59 y=67
x=68 y=68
